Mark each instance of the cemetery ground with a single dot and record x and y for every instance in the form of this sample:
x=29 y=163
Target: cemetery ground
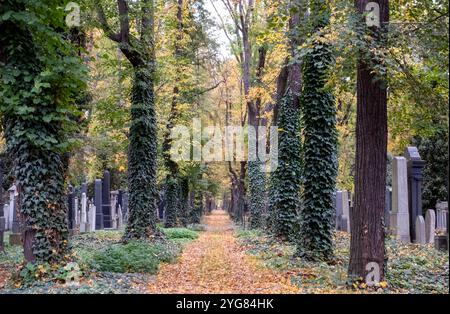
x=218 y=257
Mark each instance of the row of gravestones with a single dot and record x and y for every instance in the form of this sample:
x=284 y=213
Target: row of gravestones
x=107 y=210
x=403 y=215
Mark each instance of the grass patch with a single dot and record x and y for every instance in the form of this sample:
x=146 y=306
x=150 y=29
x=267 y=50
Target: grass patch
x=134 y=257
x=180 y=233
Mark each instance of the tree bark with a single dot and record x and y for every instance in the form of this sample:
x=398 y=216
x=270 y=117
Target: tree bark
x=366 y=219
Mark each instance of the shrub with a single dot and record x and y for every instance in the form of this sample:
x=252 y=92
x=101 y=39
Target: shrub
x=134 y=257
x=177 y=233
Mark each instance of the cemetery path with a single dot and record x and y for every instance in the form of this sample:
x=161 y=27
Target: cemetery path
x=215 y=263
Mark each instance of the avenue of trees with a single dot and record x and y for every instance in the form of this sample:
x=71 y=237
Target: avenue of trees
x=105 y=94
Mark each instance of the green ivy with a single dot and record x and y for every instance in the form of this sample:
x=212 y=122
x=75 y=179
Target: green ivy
x=142 y=157
x=41 y=77
x=172 y=202
x=319 y=147
x=285 y=198
x=257 y=193
x=197 y=211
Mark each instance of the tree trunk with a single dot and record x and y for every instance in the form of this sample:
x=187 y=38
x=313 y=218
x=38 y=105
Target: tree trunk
x=366 y=219
x=142 y=158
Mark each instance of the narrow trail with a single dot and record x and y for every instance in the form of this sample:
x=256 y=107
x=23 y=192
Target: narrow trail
x=215 y=263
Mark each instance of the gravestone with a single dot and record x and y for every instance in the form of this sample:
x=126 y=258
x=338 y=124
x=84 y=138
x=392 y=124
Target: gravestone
x=98 y=204
x=430 y=223
x=415 y=178
x=106 y=200
x=71 y=209
x=420 y=230
x=15 y=237
x=77 y=213
x=345 y=211
x=339 y=211
x=400 y=213
x=83 y=223
x=92 y=217
x=114 y=204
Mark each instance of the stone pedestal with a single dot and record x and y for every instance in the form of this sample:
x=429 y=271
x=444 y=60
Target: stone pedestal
x=399 y=221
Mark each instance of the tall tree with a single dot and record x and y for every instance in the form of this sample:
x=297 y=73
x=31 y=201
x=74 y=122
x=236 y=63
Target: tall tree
x=41 y=77
x=319 y=147
x=367 y=250
x=139 y=50
x=285 y=185
x=172 y=178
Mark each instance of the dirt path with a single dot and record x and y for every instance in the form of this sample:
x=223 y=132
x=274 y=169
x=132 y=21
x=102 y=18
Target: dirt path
x=214 y=263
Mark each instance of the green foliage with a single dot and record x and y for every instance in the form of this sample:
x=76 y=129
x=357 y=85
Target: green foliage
x=319 y=147
x=177 y=233
x=40 y=79
x=142 y=158
x=257 y=193
x=172 y=202
x=197 y=211
x=285 y=192
x=135 y=257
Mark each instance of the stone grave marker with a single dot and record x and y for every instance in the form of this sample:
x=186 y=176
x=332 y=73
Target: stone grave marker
x=400 y=221
x=106 y=201
x=98 y=204
x=430 y=223
x=420 y=230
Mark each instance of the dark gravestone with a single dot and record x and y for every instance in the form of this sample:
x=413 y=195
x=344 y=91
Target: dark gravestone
x=388 y=208
x=415 y=178
x=106 y=200
x=98 y=204
x=71 y=208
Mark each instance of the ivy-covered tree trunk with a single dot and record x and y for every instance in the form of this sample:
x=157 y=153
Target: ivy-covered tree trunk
x=319 y=147
x=285 y=201
x=142 y=151
x=197 y=211
x=40 y=79
x=142 y=158
x=184 y=202
x=367 y=250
